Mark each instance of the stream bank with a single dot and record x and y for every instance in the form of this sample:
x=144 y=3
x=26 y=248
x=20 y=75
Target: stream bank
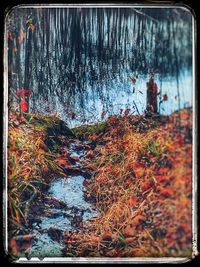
x=136 y=171
x=49 y=160
x=64 y=208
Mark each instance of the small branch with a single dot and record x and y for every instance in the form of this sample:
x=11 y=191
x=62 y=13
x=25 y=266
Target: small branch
x=145 y=15
x=14 y=94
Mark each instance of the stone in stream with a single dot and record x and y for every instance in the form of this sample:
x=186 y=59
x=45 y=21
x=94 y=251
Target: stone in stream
x=52 y=214
x=55 y=234
x=55 y=203
x=75 y=171
x=68 y=216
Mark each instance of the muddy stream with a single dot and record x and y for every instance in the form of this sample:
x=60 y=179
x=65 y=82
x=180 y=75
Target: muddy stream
x=49 y=229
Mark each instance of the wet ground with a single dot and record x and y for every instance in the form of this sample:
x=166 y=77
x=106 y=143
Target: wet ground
x=49 y=230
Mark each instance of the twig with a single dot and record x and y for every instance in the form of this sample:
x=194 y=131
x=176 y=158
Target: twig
x=17 y=224
x=145 y=15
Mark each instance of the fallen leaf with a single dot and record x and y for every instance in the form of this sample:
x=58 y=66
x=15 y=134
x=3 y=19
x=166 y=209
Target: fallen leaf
x=129 y=181
x=61 y=161
x=86 y=183
x=14 y=247
x=94 y=137
x=139 y=171
x=163 y=171
x=132 y=202
x=166 y=192
x=146 y=185
x=164 y=178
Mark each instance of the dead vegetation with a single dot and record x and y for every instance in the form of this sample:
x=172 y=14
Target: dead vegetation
x=142 y=187
x=140 y=182
x=31 y=164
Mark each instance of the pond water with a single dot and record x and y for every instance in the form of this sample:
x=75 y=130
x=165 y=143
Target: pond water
x=118 y=94
x=78 y=61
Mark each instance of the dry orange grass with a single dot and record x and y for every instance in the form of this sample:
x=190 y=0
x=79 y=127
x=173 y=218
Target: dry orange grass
x=142 y=189
x=29 y=165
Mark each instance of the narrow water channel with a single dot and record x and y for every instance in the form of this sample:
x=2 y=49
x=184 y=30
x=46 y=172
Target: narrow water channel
x=49 y=240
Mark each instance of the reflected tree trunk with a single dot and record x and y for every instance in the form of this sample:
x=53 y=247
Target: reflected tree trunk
x=75 y=50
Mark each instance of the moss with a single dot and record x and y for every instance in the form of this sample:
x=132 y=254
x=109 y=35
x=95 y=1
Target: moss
x=53 y=126
x=42 y=122
x=81 y=132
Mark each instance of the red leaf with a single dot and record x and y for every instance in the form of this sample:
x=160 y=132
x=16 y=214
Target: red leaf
x=24 y=106
x=132 y=201
x=129 y=181
x=126 y=112
x=184 y=116
x=146 y=186
x=85 y=183
x=138 y=164
x=139 y=171
x=165 y=97
x=94 y=137
x=24 y=92
x=163 y=171
x=166 y=192
x=22 y=119
x=163 y=178
x=63 y=161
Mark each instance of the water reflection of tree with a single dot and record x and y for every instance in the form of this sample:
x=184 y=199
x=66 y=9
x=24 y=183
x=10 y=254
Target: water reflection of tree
x=69 y=49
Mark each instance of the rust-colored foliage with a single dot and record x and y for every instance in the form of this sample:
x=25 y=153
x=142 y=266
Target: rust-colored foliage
x=29 y=163
x=142 y=189
x=141 y=185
